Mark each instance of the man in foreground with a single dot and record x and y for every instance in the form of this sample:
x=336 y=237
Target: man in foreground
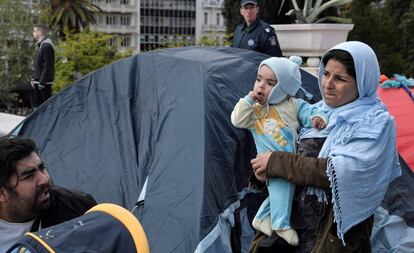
x=28 y=200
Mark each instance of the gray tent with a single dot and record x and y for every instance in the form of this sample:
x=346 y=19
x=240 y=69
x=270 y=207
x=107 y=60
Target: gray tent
x=156 y=126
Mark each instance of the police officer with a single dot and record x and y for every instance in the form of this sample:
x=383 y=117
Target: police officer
x=253 y=33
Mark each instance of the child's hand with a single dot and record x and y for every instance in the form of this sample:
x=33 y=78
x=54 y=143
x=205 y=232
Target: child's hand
x=251 y=94
x=318 y=123
x=257 y=96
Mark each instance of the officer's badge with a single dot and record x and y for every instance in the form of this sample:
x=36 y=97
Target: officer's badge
x=250 y=42
x=267 y=29
x=272 y=40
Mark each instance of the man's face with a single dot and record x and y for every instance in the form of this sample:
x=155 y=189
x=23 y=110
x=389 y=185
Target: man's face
x=249 y=13
x=37 y=33
x=28 y=194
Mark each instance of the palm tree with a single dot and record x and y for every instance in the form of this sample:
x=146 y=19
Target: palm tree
x=73 y=15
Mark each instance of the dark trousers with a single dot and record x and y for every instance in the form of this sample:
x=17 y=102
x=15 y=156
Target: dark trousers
x=41 y=94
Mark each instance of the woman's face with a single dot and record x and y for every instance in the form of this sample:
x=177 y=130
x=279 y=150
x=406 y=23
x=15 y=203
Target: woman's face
x=339 y=88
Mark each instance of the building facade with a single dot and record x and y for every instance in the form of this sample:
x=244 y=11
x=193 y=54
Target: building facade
x=144 y=25
x=210 y=20
x=120 y=18
x=164 y=22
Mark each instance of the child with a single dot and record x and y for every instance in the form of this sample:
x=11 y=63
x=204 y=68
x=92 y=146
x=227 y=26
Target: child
x=273 y=116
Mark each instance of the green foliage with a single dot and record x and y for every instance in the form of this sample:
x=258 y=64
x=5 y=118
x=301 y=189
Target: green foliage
x=406 y=28
x=312 y=11
x=388 y=29
x=231 y=14
x=178 y=41
x=15 y=47
x=74 y=15
x=212 y=40
x=269 y=12
x=81 y=53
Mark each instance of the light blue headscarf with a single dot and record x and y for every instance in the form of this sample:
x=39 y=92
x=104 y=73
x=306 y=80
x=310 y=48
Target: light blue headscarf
x=360 y=144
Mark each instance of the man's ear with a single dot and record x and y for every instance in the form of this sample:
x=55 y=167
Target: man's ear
x=3 y=194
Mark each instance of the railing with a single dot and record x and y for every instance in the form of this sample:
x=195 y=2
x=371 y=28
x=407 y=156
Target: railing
x=117 y=29
x=111 y=7
x=213 y=27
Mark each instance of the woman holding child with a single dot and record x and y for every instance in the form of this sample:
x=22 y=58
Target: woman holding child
x=342 y=171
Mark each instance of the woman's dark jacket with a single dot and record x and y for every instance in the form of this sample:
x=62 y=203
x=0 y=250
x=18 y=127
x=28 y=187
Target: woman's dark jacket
x=322 y=237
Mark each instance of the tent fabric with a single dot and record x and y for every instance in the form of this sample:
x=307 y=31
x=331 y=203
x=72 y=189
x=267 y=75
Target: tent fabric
x=401 y=108
x=393 y=229
x=164 y=115
x=391 y=233
x=161 y=119
x=105 y=228
x=399 y=198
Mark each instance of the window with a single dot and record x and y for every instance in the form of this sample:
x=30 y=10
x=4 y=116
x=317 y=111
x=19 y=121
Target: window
x=110 y=20
x=124 y=1
x=112 y=41
x=205 y=18
x=218 y=19
x=125 y=20
x=125 y=42
x=100 y=19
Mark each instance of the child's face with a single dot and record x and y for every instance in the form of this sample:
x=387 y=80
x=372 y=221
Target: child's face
x=265 y=81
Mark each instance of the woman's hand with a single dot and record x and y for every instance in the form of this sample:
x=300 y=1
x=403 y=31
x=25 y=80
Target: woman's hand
x=259 y=165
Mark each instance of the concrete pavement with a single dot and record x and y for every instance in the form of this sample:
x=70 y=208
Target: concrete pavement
x=8 y=122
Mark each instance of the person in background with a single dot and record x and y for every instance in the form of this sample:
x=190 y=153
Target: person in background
x=44 y=66
x=28 y=199
x=345 y=169
x=253 y=33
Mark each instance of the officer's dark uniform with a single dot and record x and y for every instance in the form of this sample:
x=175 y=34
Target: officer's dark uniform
x=259 y=37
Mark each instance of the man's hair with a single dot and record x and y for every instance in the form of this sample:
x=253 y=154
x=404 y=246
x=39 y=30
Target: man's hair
x=13 y=150
x=42 y=28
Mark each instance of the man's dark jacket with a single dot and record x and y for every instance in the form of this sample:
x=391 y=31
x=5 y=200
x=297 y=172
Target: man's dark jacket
x=259 y=37
x=65 y=205
x=44 y=63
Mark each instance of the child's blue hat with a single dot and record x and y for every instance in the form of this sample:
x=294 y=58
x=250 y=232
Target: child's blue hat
x=288 y=77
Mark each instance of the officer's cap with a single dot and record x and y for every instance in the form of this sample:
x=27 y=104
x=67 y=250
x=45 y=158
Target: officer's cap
x=244 y=2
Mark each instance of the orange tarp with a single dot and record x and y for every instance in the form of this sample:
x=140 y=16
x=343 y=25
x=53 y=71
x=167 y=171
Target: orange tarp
x=401 y=108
